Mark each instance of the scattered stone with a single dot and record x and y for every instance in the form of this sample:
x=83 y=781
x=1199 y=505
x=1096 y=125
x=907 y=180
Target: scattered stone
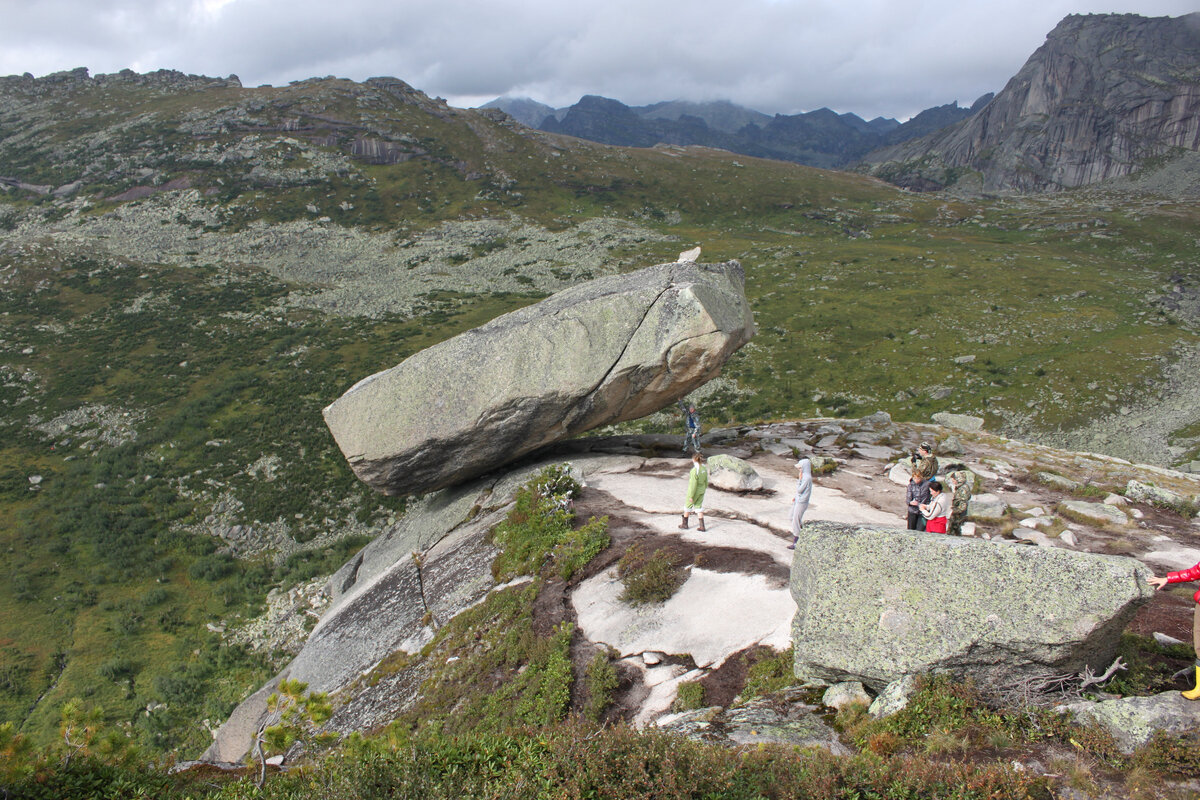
x=969 y=529
x=840 y=695
x=609 y=350
x=732 y=474
x=1133 y=720
x=651 y=658
x=940 y=392
x=894 y=697
x=1036 y=523
x=900 y=472
x=987 y=507
x=964 y=359
x=1094 y=512
x=1069 y=538
x=962 y=422
x=877 y=419
x=1116 y=500
x=35 y=480
x=950 y=446
x=1055 y=481
x=760 y=722
x=1154 y=495
x=923 y=610
x=830 y=430
x=1165 y=640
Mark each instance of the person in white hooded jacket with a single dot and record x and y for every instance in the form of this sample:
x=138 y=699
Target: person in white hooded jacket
x=800 y=499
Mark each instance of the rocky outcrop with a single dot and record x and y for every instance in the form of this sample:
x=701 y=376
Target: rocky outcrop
x=390 y=597
x=1103 y=95
x=610 y=350
x=876 y=604
x=1133 y=721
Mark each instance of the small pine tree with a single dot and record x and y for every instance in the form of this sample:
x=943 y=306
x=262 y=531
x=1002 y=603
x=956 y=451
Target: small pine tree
x=299 y=714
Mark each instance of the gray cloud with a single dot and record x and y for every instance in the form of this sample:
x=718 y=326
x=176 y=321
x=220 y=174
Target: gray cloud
x=872 y=57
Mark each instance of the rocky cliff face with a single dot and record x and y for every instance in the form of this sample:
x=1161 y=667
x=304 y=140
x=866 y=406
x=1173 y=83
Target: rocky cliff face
x=1104 y=94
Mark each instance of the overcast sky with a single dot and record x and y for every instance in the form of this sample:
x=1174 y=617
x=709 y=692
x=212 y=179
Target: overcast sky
x=871 y=57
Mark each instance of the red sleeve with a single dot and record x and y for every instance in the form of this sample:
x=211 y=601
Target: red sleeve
x=1183 y=576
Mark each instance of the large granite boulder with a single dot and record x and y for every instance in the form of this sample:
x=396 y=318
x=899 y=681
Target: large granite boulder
x=612 y=349
x=876 y=604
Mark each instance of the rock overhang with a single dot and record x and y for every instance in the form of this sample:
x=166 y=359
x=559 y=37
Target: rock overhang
x=610 y=350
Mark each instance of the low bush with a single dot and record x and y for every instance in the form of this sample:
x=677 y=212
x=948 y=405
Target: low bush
x=690 y=696
x=650 y=578
x=601 y=680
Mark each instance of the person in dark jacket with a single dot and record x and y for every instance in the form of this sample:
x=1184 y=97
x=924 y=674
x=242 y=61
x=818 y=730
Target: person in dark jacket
x=915 y=494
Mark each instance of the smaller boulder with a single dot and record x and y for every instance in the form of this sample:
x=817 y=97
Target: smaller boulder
x=901 y=472
x=1057 y=481
x=962 y=422
x=843 y=694
x=1133 y=720
x=1096 y=513
x=1154 y=495
x=987 y=507
x=894 y=697
x=733 y=474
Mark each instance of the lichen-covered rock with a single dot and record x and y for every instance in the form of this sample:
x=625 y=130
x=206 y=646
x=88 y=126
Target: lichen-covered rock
x=987 y=507
x=893 y=698
x=876 y=604
x=962 y=422
x=1154 y=495
x=732 y=474
x=1097 y=513
x=843 y=694
x=612 y=349
x=1133 y=720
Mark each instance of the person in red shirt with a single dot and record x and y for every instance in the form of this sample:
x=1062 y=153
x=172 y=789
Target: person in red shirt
x=1183 y=576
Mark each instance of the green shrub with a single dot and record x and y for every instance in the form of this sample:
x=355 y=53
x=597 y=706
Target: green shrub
x=537 y=532
x=601 y=680
x=769 y=674
x=690 y=696
x=649 y=579
x=213 y=567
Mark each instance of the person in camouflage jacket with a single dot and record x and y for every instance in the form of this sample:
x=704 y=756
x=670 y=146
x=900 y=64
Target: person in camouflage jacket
x=927 y=462
x=960 y=481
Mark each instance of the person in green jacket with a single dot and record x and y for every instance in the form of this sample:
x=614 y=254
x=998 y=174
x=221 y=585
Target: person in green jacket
x=697 y=484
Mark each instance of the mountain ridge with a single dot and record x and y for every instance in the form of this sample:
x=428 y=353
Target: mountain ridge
x=1103 y=96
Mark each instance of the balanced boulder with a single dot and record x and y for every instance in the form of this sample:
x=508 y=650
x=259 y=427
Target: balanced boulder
x=612 y=349
x=876 y=604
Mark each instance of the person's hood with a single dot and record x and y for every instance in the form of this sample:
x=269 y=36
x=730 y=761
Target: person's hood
x=806 y=466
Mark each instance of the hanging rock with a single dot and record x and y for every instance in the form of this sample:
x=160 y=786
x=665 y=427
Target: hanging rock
x=612 y=349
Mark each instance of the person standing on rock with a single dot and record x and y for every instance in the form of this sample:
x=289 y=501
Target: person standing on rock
x=1183 y=576
x=916 y=493
x=926 y=461
x=937 y=510
x=800 y=499
x=960 y=482
x=697 y=485
x=691 y=427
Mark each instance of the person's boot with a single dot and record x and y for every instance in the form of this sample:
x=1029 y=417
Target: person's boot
x=1194 y=694
x=701 y=524
x=683 y=525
